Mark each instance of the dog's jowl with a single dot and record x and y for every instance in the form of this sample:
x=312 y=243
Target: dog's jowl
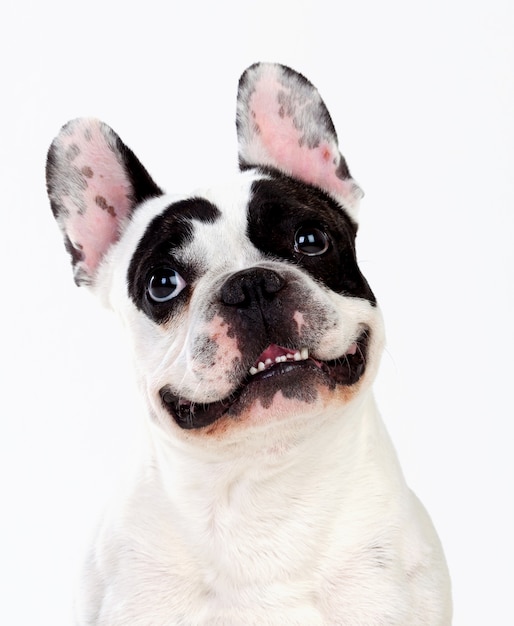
x=270 y=492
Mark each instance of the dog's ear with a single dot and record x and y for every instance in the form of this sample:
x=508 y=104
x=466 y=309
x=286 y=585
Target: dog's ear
x=94 y=182
x=283 y=123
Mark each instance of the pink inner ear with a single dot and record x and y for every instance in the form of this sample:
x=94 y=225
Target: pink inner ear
x=106 y=198
x=278 y=142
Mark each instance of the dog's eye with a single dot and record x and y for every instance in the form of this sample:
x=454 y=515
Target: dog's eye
x=311 y=241
x=164 y=284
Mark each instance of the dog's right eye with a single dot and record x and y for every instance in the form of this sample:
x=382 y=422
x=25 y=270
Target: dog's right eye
x=164 y=284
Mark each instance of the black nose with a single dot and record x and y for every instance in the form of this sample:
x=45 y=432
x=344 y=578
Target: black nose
x=251 y=287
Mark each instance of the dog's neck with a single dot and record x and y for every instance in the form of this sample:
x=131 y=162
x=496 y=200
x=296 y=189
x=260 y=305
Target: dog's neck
x=342 y=444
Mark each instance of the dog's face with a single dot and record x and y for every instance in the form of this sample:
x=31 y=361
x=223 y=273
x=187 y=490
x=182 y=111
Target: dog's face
x=245 y=304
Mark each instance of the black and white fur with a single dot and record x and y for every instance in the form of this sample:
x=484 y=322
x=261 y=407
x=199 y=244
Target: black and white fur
x=271 y=493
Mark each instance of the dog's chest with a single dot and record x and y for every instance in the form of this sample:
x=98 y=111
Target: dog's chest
x=185 y=590
x=235 y=558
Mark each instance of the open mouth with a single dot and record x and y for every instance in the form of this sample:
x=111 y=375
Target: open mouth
x=274 y=363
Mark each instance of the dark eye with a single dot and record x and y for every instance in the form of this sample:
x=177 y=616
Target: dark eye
x=164 y=284
x=311 y=241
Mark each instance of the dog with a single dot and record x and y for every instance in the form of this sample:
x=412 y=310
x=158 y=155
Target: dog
x=271 y=492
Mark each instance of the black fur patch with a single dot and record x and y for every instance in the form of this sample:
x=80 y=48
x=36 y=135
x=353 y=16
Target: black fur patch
x=166 y=233
x=143 y=186
x=280 y=206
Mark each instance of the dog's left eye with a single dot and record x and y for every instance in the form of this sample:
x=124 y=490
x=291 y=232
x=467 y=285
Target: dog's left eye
x=311 y=240
x=164 y=284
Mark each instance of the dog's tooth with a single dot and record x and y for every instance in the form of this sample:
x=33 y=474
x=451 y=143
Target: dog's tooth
x=268 y=361
x=260 y=366
x=304 y=353
x=253 y=371
x=289 y=356
x=297 y=356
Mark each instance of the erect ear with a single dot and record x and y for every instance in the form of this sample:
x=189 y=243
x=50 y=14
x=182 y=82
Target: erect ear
x=283 y=123
x=94 y=183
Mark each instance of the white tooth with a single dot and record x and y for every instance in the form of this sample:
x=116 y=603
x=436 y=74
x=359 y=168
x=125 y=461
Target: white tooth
x=289 y=357
x=260 y=366
x=284 y=358
x=268 y=361
x=253 y=371
x=304 y=353
x=297 y=356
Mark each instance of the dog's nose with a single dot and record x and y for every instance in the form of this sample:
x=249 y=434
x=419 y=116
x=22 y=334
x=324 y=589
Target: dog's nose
x=250 y=287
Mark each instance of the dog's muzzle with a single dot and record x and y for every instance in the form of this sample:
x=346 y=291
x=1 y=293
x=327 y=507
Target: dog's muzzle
x=259 y=304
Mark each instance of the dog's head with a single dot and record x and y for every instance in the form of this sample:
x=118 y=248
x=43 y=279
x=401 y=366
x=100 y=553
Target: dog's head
x=245 y=303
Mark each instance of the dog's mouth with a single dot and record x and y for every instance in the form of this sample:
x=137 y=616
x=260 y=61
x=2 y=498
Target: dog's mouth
x=273 y=365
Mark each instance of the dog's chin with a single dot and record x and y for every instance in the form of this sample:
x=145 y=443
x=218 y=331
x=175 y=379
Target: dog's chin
x=294 y=374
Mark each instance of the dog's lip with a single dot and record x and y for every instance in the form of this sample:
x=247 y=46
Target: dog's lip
x=274 y=361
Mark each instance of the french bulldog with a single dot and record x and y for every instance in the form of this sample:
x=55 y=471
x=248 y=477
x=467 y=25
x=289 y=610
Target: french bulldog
x=270 y=492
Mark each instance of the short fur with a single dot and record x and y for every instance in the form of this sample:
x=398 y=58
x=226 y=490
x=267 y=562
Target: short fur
x=271 y=493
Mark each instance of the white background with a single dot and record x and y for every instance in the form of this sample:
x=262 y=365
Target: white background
x=422 y=96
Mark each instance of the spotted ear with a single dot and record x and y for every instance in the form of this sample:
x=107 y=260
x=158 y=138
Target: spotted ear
x=94 y=183
x=283 y=123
